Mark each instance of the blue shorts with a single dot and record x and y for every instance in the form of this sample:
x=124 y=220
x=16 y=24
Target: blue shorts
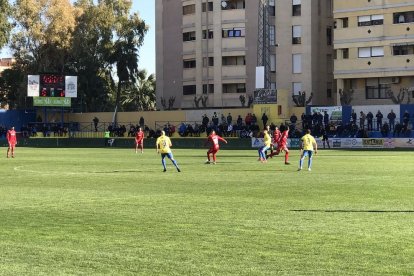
x=308 y=152
x=169 y=155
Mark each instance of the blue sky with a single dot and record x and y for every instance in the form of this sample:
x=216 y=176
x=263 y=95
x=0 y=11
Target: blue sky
x=146 y=9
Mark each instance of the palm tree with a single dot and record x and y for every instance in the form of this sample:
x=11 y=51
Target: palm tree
x=141 y=95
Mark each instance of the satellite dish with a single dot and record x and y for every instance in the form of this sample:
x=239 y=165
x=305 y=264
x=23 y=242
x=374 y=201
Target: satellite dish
x=224 y=4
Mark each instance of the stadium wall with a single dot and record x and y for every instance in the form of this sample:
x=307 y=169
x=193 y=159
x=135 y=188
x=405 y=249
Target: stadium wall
x=199 y=143
x=186 y=143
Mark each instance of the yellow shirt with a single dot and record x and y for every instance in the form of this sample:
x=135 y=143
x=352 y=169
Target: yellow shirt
x=163 y=144
x=267 y=140
x=307 y=142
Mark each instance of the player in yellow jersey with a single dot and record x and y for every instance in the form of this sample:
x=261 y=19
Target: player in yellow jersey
x=308 y=146
x=267 y=140
x=163 y=146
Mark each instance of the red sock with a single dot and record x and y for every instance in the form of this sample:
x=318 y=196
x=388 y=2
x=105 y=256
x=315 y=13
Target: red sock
x=286 y=157
x=214 y=157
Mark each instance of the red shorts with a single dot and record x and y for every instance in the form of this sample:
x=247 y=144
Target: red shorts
x=139 y=142
x=213 y=150
x=282 y=148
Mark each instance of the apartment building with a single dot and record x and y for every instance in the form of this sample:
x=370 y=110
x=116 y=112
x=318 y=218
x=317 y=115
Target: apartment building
x=374 y=44
x=209 y=49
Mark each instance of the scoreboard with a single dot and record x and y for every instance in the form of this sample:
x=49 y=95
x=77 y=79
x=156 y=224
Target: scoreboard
x=52 y=85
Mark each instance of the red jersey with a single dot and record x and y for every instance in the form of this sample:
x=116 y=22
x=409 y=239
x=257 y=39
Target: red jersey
x=139 y=137
x=276 y=136
x=214 y=140
x=283 y=138
x=11 y=137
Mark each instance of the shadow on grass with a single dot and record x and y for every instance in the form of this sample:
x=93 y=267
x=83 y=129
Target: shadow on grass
x=353 y=211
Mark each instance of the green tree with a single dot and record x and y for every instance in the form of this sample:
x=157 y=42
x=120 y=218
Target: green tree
x=45 y=34
x=141 y=95
x=130 y=33
x=5 y=25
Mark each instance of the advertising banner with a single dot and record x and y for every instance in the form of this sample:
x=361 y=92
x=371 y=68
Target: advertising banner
x=51 y=101
x=404 y=142
x=334 y=112
x=33 y=85
x=373 y=143
x=71 y=86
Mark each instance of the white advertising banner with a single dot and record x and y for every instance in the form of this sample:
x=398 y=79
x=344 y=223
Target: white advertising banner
x=404 y=142
x=71 y=86
x=33 y=85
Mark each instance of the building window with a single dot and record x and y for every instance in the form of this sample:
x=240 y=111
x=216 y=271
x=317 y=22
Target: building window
x=297 y=63
x=210 y=88
x=204 y=8
x=402 y=50
x=233 y=5
x=189 y=36
x=189 y=63
x=345 y=22
x=272 y=35
x=296 y=7
x=368 y=20
x=296 y=88
x=234 y=88
x=296 y=34
x=272 y=8
x=376 y=88
x=210 y=34
x=189 y=89
x=210 y=61
x=403 y=17
x=366 y=52
x=235 y=32
x=272 y=63
x=329 y=36
x=234 y=60
x=189 y=9
x=329 y=90
x=345 y=53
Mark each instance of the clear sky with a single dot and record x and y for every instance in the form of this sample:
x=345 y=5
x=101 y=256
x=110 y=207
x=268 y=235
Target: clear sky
x=146 y=9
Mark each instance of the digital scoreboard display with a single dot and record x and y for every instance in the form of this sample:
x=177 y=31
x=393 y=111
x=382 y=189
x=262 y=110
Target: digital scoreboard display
x=52 y=85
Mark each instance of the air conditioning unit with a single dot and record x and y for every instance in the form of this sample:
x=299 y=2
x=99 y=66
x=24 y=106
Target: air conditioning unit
x=395 y=80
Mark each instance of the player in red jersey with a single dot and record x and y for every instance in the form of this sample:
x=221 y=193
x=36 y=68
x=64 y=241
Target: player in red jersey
x=276 y=137
x=282 y=144
x=213 y=139
x=139 y=140
x=12 y=140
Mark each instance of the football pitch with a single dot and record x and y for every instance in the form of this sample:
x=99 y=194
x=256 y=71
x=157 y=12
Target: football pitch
x=111 y=211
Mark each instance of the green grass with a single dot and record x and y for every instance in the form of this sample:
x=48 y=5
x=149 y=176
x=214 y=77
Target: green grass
x=114 y=212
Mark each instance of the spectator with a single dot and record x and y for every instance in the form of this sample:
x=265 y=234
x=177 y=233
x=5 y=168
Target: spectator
x=385 y=129
x=95 y=123
x=264 y=119
x=303 y=118
x=141 y=122
x=362 y=118
x=215 y=119
x=248 y=119
x=229 y=119
x=223 y=119
x=239 y=121
x=254 y=119
x=379 y=117
x=406 y=120
x=293 y=120
x=370 y=116
x=391 y=119
x=353 y=116
x=205 y=121
x=325 y=119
